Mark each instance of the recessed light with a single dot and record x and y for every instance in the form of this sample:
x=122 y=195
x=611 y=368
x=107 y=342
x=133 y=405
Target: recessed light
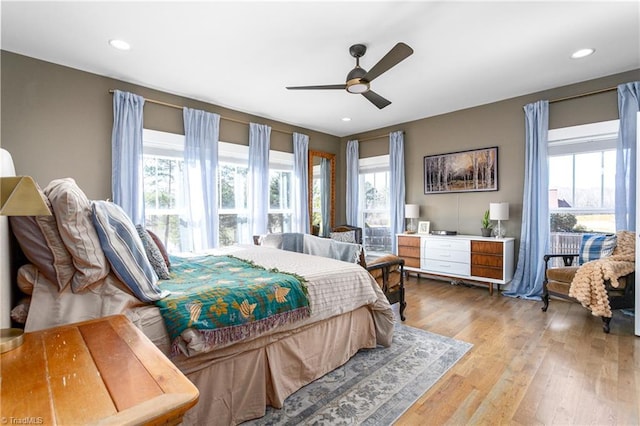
x=346 y=119
x=119 y=44
x=582 y=53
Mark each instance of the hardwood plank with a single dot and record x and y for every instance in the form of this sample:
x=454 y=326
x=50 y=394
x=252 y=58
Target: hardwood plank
x=165 y=373
x=24 y=387
x=126 y=378
x=71 y=371
x=527 y=367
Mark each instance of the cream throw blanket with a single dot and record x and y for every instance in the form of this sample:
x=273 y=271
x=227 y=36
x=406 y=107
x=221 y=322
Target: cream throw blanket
x=588 y=283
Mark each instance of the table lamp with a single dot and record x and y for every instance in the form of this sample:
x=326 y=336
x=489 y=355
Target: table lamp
x=411 y=213
x=499 y=212
x=19 y=196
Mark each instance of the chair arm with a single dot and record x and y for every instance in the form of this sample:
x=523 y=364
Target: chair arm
x=385 y=268
x=567 y=258
x=386 y=264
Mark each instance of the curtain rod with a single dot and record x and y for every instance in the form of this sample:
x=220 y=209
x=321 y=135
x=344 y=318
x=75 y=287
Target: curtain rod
x=371 y=138
x=582 y=95
x=153 y=101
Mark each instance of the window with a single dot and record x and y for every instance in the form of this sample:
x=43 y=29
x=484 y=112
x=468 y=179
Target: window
x=163 y=164
x=232 y=189
x=582 y=167
x=280 y=191
x=374 y=208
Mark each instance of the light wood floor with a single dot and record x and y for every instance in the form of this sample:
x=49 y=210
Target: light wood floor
x=526 y=367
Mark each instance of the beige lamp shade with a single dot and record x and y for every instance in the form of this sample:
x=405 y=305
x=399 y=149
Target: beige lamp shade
x=411 y=211
x=499 y=211
x=19 y=196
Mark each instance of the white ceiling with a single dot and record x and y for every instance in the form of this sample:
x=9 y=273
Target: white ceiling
x=241 y=55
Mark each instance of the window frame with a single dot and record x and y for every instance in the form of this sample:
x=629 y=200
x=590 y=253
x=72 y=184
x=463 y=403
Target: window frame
x=171 y=145
x=599 y=137
x=370 y=165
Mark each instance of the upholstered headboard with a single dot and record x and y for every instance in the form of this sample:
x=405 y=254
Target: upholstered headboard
x=6 y=169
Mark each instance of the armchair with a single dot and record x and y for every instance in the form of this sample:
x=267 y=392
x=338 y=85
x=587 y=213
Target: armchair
x=602 y=279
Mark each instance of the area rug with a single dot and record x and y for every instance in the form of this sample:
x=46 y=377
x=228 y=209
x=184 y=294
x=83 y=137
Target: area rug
x=376 y=386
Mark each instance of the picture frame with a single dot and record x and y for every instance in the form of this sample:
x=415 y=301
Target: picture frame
x=474 y=170
x=424 y=227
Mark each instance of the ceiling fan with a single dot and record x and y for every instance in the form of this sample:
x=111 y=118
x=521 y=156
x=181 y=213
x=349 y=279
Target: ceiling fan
x=358 y=79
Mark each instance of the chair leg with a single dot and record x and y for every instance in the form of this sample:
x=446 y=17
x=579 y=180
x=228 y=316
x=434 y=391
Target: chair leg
x=403 y=304
x=545 y=300
x=605 y=324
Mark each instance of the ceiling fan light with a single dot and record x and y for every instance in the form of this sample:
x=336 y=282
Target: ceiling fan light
x=357 y=86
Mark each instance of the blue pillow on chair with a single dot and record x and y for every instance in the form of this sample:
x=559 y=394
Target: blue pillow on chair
x=596 y=246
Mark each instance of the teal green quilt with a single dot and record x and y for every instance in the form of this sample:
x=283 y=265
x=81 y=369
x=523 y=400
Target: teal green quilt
x=229 y=299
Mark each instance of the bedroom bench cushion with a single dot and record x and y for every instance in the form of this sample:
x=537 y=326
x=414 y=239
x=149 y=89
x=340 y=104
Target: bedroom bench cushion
x=122 y=246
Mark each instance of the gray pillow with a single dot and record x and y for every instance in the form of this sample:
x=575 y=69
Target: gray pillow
x=42 y=244
x=153 y=254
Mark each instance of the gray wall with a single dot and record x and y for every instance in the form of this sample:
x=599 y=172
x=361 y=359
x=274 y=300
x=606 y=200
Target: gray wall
x=56 y=122
x=498 y=124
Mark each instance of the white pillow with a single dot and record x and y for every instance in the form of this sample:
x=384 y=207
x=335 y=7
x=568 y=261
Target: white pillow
x=72 y=210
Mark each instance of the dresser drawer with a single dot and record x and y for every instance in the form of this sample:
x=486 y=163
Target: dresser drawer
x=404 y=251
x=446 y=255
x=408 y=241
x=487 y=260
x=486 y=272
x=446 y=268
x=445 y=244
x=489 y=247
x=412 y=262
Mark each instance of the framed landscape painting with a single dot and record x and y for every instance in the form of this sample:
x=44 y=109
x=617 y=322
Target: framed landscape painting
x=463 y=171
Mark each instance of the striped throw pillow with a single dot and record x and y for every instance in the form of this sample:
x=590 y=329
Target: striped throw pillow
x=596 y=246
x=124 y=250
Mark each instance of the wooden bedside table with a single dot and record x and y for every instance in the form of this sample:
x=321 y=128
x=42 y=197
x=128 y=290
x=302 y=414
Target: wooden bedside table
x=100 y=371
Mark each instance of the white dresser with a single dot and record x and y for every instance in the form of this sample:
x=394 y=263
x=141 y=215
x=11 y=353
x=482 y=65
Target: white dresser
x=485 y=260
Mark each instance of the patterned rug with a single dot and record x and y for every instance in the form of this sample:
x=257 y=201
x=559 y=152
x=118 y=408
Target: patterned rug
x=376 y=386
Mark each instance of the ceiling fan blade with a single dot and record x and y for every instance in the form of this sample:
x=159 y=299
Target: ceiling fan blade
x=376 y=99
x=328 y=86
x=397 y=54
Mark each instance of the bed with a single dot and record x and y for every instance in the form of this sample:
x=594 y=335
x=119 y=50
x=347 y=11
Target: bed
x=237 y=376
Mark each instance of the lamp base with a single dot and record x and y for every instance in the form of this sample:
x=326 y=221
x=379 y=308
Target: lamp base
x=412 y=226
x=499 y=231
x=10 y=338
